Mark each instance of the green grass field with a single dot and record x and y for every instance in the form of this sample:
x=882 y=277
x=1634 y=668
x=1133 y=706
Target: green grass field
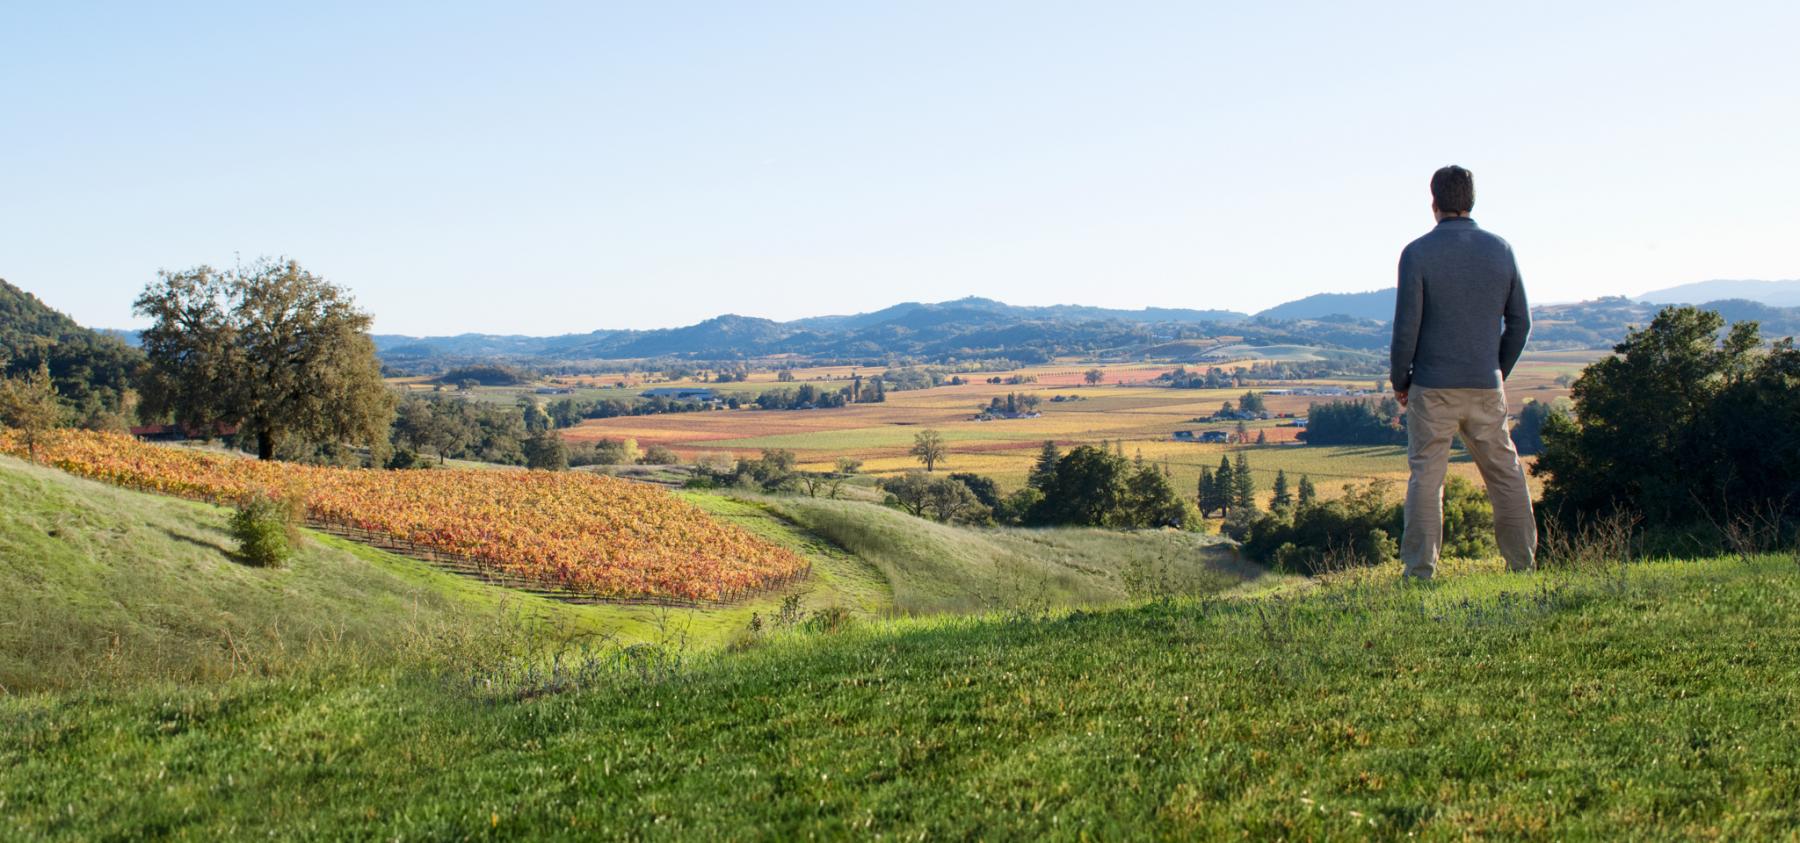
x=158 y=688
x=1654 y=703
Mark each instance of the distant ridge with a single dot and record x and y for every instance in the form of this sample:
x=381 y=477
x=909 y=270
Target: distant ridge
x=914 y=314
x=971 y=325
x=1375 y=304
x=1771 y=293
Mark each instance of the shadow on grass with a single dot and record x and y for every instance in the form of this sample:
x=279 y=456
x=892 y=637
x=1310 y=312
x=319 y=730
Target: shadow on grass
x=217 y=545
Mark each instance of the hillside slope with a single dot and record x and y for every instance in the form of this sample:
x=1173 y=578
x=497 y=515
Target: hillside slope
x=1656 y=700
x=108 y=586
x=92 y=371
x=937 y=568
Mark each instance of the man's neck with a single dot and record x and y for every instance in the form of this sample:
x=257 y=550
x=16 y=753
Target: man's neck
x=1452 y=217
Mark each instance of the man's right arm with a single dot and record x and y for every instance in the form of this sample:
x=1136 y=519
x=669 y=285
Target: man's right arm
x=1409 y=308
x=1518 y=325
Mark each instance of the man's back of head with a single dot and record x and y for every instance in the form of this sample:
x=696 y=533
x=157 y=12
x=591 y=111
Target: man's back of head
x=1452 y=192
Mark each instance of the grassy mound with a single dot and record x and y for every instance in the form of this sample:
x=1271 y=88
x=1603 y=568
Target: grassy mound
x=1656 y=701
x=937 y=568
x=104 y=585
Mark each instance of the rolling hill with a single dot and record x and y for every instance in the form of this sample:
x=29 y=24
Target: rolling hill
x=1768 y=293
x=92 y=370
x=356 y=695
x=1377 y=305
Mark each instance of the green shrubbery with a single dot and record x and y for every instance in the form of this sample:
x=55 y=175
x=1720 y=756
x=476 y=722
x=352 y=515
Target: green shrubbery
x=1360 y=529
x=265 y=529
x=1696 y=434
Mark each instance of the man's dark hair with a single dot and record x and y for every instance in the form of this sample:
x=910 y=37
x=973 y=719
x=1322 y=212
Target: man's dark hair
x=1453 y=190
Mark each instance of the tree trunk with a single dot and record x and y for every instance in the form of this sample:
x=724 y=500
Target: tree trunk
x=265 y=445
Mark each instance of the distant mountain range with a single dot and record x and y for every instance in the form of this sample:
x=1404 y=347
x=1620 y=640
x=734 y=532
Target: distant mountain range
x=1771 y=293
x=973 y=329
x=920 y=315
x=965 y=328
x=976 y=329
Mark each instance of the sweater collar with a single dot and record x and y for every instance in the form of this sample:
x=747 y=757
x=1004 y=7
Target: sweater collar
x=1457 y=221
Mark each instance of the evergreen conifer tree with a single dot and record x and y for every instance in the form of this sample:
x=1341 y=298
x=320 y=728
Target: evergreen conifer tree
x=1243 y=485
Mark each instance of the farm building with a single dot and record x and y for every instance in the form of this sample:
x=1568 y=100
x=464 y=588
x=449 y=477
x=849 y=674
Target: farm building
x=681 y=393
x=1214 y=436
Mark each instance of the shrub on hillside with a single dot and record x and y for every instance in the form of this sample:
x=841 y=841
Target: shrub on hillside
x=1362 y=529
x=264 y=527
x=659 y=455
x=1692 y=432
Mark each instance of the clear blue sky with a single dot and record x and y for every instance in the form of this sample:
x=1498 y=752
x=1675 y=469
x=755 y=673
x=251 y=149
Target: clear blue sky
x=524 y=168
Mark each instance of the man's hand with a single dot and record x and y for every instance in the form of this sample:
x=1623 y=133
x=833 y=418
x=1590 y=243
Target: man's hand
x=1400 y=396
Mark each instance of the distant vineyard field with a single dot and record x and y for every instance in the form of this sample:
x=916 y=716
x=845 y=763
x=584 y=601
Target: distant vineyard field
x=590 y=535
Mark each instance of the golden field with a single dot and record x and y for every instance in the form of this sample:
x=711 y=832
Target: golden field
x=1122 y=408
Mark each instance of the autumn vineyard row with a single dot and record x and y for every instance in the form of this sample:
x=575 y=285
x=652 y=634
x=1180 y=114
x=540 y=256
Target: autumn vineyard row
x=570 y=531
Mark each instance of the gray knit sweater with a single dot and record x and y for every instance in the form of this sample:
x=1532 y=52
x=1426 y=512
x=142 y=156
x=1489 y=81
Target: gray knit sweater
x=1460 y=318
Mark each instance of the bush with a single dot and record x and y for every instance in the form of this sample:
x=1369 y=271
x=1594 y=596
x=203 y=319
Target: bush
x=265 y=530
x=604 y=452
x=1362 y=529
x=828 y=620
x=659 y=455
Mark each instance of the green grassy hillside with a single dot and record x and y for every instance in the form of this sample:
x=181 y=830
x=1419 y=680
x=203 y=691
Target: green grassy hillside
x=104 y=585
x=933 y=568
x=1657 y=701
x=174 y=692
x=110 y=585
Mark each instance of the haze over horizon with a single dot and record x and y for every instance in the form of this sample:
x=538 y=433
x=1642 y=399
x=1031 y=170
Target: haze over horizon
x=566 y=169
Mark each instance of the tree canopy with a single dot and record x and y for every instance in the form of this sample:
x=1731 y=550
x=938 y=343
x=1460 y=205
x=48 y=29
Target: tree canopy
x=1684 y=427
x=270 y=348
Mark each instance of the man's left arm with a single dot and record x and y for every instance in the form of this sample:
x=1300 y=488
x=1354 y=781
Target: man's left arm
x=1518 y=325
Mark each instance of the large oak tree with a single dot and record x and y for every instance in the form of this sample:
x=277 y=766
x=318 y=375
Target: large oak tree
x=270 y=348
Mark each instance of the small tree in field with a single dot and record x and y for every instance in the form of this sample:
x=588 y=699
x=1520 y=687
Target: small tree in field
x=1093 y=377
x=929 y=448
x=29 y=403
x=1243 y=485
x=911 y=491
x=1283 y=498
x=545 y=450
x=1045 y=467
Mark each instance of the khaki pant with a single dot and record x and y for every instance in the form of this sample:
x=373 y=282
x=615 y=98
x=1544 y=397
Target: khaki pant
x=1432 y=416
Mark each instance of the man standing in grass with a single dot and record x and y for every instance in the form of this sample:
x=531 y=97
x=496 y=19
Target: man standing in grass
x=1460 y=322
